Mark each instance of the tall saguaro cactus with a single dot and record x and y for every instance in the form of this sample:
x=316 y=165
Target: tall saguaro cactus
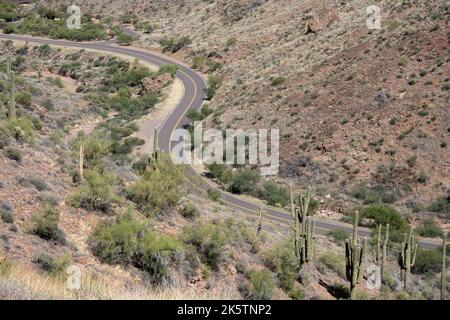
x=380 y=253
x=156 y=144
x=354 y=258
x=304 y=228
x=384 y=257
x=12 y=93
x=81 y=162
x=444 y=269
x=258 y=231
x=407 y=257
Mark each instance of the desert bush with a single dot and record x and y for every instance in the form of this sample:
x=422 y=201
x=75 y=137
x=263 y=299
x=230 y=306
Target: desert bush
x=95 y=150
x=334 y=262
x=283 y=262
x=261 y=285
x=54 y=267
x=277 y=81
x=220 y=172
x=214 y=194
x=45 y=222
x=24 y=98
x=441 y=205
x=21 y=129
x=173 y=44
x=429 y=228
x=171 y=69
x=13 y=154
x=97 y=191
x=190 y=211
x=339 y=235
x=244 y=181
x=49 y=197
x=158 y=188
x=197 y=62
x=214 y=83
x=209 y=240
x=126 y=240
x=6 y=213
x=427 y=261
x=125 y=39
x=383 y=215
x=274 y=194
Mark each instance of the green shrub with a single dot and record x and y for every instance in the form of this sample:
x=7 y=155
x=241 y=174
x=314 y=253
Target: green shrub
x=261 y=285
x=45 y=223
x=339 y=235
x=334 y=262
x=244 y=181
x=125 y=39
x=427 y=261
x=6 y=213
x=277 y=81
x=209 y=240
x=430 y=229
x=159 y=188
x=274 y=194
x=283 y=262
x=214 y=194
x=190 y=211
x=95 y=149
x=297 y=294
x=13 y=154
x=24 y=98
x=173 y=45
x=384 y=215
x=128 y=241
x=97 y=191
x=220 y=172
x=21 y=129
x=54 y=267
x=214 y=83
x=442 y=205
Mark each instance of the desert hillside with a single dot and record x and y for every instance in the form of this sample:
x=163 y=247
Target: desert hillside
x=364 y=120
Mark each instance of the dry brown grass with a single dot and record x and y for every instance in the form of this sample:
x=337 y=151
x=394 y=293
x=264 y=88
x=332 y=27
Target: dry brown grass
x=25 y=283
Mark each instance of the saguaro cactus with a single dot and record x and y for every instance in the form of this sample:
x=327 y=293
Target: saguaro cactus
x=444 y=269
x=156 y=144
x=81 y=164
x=384 y=257
x=12 y=93
x=407 y=257
x=354 y=258
x=258 y=231
x=380 y=254
x=304 y=228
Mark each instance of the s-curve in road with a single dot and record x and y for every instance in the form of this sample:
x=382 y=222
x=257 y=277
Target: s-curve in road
x=194 y=94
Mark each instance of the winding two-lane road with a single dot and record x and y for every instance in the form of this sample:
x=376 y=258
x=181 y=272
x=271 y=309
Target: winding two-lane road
x=193 y=98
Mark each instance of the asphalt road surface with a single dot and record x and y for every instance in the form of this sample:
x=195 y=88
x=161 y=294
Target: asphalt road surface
x=194 y=95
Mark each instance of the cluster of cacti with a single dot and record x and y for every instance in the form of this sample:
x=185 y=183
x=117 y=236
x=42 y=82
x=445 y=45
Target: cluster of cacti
x=380 y=254
x=354 y=258
x=407 y=259
x=12 y=93
x=304 y=228
x=444 y=269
